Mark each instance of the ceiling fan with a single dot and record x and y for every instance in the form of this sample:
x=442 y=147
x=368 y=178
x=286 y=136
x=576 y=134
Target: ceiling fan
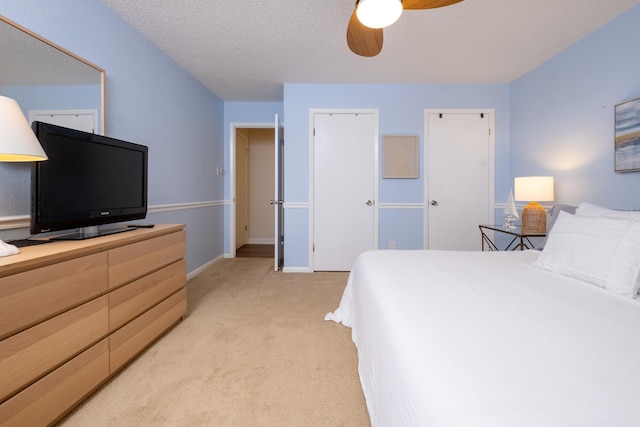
x=364 y=33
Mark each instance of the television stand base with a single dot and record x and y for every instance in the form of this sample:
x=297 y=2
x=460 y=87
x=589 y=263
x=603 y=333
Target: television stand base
x=91 y=232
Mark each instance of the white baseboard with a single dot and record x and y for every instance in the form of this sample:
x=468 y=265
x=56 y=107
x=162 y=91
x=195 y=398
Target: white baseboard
x=260 y=241
x=200 y=269
x=297 y=270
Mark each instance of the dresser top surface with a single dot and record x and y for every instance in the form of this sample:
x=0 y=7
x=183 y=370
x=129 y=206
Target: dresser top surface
x=56 y=251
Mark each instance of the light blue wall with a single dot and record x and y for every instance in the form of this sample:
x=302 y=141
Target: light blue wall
x=392 y=228
x=401 y=111
x=150 y=100
x=562 y=116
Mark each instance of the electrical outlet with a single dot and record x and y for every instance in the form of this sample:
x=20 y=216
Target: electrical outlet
x=392 y=244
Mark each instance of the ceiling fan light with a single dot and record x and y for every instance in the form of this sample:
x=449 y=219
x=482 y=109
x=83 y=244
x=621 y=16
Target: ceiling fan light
x=378 y=13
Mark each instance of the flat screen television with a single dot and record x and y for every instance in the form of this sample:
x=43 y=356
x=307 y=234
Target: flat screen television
x=88 y=181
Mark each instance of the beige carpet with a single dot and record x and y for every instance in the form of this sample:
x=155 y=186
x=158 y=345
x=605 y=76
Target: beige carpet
x=254 y=350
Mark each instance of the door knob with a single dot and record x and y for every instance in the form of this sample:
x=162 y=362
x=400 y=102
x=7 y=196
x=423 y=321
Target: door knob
x=369 y=202
x=434 y=203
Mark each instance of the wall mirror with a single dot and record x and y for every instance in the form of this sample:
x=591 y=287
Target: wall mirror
x=43 y=78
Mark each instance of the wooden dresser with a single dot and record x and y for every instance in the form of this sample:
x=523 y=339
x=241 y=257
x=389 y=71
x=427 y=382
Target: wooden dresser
x=73 y=313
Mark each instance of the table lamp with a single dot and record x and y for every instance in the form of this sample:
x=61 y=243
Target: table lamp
x=18 y=143
x=534 y=189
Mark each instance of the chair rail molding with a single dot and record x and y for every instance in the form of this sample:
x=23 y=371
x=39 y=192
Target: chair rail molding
x=22 y=221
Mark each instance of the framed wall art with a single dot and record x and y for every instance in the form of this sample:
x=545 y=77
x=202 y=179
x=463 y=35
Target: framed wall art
x=627 y=136
x=400 y=156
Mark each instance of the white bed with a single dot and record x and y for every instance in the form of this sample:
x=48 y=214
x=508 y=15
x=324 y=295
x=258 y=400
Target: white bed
x=492 y=339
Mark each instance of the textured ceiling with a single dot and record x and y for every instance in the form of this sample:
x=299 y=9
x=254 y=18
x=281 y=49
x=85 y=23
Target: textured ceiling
x=244 y=50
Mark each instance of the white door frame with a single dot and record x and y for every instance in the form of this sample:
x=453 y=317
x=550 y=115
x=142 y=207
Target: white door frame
x=232 y=178
x=492 y=171
x=312 y=113
x=278 y=194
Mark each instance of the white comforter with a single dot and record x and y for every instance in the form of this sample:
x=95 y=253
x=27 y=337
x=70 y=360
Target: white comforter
x=486 y=339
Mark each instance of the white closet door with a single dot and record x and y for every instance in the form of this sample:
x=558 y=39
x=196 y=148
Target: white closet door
x=460 y=178
x=344 y=211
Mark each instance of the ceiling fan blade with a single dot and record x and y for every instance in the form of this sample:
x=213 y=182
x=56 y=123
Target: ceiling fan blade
x=427 y=4
x=362 y=40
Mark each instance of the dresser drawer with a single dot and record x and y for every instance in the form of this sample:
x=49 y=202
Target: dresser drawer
x=138 y=259
x=129 y=340
x=50 y=398
x=27 y=356
x=33 y=296
x=129 y=301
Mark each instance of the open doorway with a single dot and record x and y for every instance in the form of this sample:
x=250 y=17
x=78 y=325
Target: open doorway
x=252 y=234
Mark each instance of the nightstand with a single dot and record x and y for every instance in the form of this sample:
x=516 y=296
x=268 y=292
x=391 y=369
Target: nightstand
x=520 y=239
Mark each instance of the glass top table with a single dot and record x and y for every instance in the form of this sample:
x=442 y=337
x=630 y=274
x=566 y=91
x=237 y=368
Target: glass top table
x=520 y=238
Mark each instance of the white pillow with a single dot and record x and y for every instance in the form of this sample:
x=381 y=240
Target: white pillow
x=554 y=212
x=600 y=250
x=593 y=210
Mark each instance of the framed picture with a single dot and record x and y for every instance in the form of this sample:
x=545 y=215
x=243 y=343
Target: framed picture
x=627 y=136
x=400 y=156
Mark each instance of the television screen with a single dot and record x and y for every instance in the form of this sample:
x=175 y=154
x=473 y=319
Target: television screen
x=88 y=180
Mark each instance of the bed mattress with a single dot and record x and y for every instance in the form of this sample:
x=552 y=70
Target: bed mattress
x=486 y=339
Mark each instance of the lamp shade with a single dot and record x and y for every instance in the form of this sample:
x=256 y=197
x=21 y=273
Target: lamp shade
x=534 y=188
x=18 y=143
x=378 y=13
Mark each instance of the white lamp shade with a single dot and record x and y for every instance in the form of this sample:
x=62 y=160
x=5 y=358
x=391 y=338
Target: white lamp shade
x=534 y=188
x=18 y=143
x=378 y=13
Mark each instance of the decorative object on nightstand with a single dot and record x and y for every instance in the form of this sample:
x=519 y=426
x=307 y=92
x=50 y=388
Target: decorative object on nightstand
x=510 y=213
x=18 y=143
x=534 y=189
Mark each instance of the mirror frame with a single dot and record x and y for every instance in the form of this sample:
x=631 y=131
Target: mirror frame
x=28 y=32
